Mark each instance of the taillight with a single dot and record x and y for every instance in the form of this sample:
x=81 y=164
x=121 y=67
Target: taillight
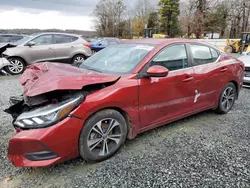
x=87 y=45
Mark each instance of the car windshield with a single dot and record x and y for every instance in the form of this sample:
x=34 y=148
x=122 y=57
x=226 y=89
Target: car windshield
x=23 y=40
x=117 y=59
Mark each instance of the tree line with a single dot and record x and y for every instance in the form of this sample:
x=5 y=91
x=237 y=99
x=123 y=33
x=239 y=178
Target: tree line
x=189 y=18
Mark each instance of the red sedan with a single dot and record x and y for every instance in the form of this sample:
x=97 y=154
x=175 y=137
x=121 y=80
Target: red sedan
x=123 y=90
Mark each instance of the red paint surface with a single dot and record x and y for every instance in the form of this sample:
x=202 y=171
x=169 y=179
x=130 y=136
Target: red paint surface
x=45 y=77
x=149 y=102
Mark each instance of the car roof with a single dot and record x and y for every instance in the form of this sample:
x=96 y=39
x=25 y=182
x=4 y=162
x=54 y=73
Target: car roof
x=161 y=42
x=155 y=41
x=55 y=33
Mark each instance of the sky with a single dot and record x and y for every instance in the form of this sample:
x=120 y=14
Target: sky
x=48 y=14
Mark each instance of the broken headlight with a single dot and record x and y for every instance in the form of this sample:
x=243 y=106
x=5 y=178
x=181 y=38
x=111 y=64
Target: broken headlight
x=47 y=115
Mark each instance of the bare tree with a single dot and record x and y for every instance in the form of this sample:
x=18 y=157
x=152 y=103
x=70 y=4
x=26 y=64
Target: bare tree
x=109 y=16
x=142 y=9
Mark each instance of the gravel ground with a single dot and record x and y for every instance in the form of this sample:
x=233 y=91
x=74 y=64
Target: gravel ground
x=205 y=150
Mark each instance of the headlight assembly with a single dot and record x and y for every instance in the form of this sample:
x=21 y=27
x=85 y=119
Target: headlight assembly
x=47 y=115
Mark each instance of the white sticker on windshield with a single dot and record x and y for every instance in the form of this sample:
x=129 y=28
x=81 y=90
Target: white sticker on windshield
x=144 y=47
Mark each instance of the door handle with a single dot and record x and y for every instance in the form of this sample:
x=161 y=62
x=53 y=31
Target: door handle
x=223 y=69
x=188 y=79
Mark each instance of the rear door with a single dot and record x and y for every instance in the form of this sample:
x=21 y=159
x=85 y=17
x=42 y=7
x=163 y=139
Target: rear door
x=64 y=46
x=163 y=99
x=210 y=75
x=43 y=50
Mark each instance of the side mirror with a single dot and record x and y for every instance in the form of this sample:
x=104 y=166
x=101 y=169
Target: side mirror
x=100 y=44
x=31 y=43
x=157 y=71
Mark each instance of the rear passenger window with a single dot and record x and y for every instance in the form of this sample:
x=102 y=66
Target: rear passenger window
x=203 y=54
x=60 y=39
x=173 y=58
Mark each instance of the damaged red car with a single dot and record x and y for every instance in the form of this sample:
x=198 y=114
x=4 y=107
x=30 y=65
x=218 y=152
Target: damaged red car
x=123 y=90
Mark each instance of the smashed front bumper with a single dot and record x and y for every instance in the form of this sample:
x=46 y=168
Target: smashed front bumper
x=47 y=146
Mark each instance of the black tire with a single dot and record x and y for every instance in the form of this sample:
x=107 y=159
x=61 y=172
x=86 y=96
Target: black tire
x=93 y=52
x=15 y=61
x=76 y=59
x=87 y=132
x=222 y=109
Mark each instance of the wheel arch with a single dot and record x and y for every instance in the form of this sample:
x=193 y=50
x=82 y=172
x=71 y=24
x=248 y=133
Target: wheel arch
x=236 y=86
x=125 y=114
x=78 y=53
x=15 y=56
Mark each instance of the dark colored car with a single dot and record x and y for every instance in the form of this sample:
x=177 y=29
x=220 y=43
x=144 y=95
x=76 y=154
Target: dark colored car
x=101 y=43
x=10 y=38
x=122 y=91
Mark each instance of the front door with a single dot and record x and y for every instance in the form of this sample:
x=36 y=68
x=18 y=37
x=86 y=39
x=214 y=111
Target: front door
x=43 y=50
x=163 y=99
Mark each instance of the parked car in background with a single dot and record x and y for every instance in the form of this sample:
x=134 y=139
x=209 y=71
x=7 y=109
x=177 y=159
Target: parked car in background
x=54 y=47
x=10 y=38
x=246 y=60
x=100 y=43
x=123 y=90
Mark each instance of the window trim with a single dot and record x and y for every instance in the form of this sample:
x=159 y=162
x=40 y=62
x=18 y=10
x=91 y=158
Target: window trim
x=145 y=68
x=53 y=38
x=199 y=44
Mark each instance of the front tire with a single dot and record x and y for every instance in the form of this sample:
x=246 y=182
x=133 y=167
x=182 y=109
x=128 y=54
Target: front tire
x=227 y=99
x=17 y=66
x=102 y=135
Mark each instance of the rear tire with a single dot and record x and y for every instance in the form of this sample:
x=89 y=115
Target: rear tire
x=102 y=135
x=17 y=66
x=227 y=99
x=78 y=59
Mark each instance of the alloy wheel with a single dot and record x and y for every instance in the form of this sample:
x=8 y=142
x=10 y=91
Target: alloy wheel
x=104 y=137
x=79 y=59
x=228 y=98
x=16 y=66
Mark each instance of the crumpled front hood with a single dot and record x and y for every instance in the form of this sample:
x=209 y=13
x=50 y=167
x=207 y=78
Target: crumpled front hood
x=46 y=77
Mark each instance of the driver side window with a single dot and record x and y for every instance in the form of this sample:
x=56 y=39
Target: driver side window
x=172 y=57
x=43 y=40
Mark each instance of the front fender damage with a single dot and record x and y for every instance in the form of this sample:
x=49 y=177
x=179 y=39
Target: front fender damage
x=52 y=83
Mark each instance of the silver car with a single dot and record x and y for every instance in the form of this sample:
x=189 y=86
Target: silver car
x=53 y=47
x=246 y=60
